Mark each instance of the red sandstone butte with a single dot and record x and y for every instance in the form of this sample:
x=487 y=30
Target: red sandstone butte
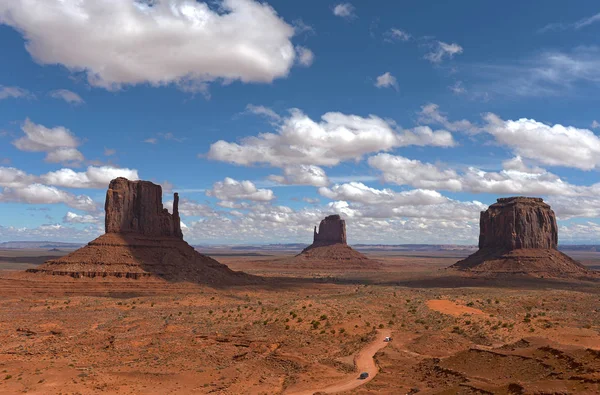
x=330 y=249
x=520 y=235
x=142 y=239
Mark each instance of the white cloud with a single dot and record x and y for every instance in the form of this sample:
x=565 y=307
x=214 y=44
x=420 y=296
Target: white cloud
x=344 y=10
x=306 y=57
x=442 y=50
x=15 y=178
x=93 y=177
x=55 y=232
x=39 y=138
x=73 y=218
x=64 y=155
x=595 y=124
x=404 y=171
x=430 y=114
x=515 y=178
x=109 y=151
x=397 y=35
x=555 y=145
x=560 y=26
x=386 y=80
x=14 y=92
x=302 y=175
x=43 y=194
x=458 y=88
x=230 y=190
x=187 y=43
x=263 y=111
x=359 y=192
x=549 y=73
x=151 y=140
x=67 y=95
x=59 y=143
x=336 y=138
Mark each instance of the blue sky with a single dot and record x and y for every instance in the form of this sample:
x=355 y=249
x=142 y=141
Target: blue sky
x=408 y=118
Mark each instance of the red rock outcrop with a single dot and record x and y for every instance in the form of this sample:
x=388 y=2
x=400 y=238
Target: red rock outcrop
x=332 y=230
x=519 y=222
x=142 y=239
x=520 y=235
x=330 y=250
x=136 y=207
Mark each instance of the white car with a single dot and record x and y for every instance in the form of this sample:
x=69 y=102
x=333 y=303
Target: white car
x=387 y=339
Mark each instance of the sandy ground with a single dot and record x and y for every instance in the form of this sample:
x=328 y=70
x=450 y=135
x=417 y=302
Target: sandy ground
x=304 y=330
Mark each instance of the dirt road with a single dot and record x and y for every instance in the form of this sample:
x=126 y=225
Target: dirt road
x=364 y=363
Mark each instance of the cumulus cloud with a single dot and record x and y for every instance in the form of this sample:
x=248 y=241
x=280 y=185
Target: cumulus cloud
x=337 y=137
x=15 y=178
x=386 y=80
x=515 y=178
x=302 y=175
x=93 y=177
x=67 y=95
x=14 y=92
x=404 y=171
x=59 y=143
x=73 y=218
x=43 y=194
x=555 y=145
x=190 y=43
x=441 y=51
x=359 y=192
x=230 y=190
x=344 y=10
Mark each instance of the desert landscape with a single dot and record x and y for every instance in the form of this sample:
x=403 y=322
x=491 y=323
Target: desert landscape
x=263 y=322
x=275 y=197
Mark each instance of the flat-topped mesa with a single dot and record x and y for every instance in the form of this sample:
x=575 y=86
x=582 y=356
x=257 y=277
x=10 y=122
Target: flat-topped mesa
x=136 y=207
x=519 y=235
x=518 y=222
x=332 y=230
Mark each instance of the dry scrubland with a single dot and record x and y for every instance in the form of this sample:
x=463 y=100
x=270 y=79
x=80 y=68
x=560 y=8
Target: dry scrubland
x=301 y=330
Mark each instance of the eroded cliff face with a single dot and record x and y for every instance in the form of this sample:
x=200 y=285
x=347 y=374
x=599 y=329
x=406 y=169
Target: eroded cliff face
x=518 y=222
x=332 y=230
x=136 y=207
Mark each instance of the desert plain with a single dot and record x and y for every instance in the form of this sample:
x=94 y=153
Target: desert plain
x=300 y=331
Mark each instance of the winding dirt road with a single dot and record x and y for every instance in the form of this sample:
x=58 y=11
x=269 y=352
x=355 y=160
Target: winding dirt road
x=364 y=363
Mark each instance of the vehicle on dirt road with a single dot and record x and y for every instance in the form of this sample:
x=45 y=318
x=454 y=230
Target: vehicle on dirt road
x=363 y=376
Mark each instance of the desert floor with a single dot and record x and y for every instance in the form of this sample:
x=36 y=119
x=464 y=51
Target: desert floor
x=304 y=331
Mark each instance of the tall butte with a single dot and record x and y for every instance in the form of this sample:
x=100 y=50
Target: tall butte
x=330 y=249
x=519 y=235
x=142 y=239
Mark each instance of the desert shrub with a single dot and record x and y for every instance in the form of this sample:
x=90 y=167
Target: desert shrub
x=323 y=317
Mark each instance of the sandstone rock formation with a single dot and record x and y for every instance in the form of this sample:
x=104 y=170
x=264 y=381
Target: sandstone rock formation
x=142 y=239
x=330 y=250
x=136 y=207
x=520 y=235
x=332 y=230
